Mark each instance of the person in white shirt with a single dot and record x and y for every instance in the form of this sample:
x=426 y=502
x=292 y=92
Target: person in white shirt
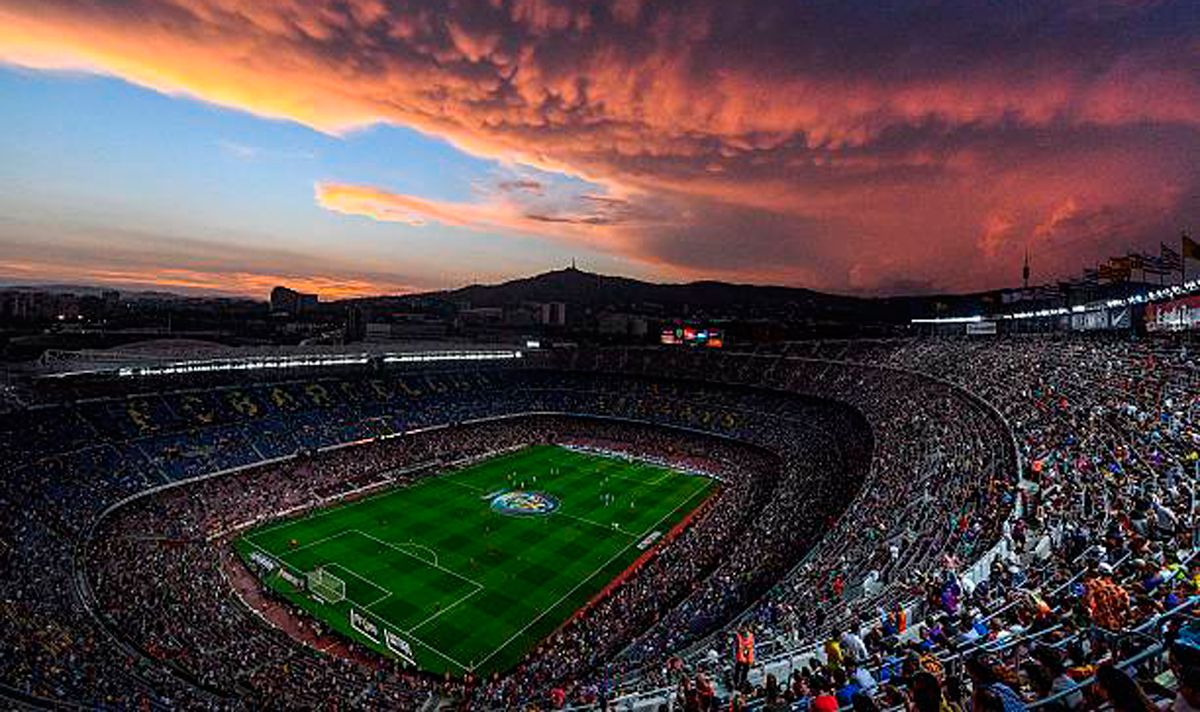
x=853 y=645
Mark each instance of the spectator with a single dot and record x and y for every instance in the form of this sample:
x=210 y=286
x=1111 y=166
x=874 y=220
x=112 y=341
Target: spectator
x=1122 y=691
x=1185 y=664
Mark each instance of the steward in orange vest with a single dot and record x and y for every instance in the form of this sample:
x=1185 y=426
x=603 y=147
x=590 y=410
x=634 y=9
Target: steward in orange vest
x=745 y=647
x=743 y=656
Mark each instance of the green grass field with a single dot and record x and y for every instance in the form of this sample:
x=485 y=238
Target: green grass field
x=447 y=579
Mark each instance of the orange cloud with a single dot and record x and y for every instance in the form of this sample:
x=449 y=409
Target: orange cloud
x=596 y=220
x=863 y=141
x=492 y=80
x=233 y=283
x=385 y=206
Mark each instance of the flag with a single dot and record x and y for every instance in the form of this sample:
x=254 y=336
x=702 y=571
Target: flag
x=1191 y=249
x=1171 y=260
x=1091 y=276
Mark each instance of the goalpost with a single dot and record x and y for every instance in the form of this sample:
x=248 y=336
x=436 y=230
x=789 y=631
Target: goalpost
x=325 y=585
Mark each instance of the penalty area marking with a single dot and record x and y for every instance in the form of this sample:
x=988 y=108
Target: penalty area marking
x=386 y=593
x=316 y=542
x=426 y=548
x=404 y=548
x=437 y=566
x=436 y=651
x=438 y=613
x=406 y=631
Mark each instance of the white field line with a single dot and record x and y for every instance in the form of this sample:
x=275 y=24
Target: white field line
x=319 y=508
x=408 y=632
x=317 y=542
x=273 y=557
x=433 y=617
x=576 y=587
x=439 y=567
x=381 y=599
x=635 y=462
x=662 y=475
x=605 y=527
x=432 y=553
x=473 y=488
x=438 y=652
x=373 y=585
x=478 y=586
x=431 y=648
x=634 y=467
x=324 y=506
x=411 y=635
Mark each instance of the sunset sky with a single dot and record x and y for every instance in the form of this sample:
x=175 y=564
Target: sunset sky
x=376 y=146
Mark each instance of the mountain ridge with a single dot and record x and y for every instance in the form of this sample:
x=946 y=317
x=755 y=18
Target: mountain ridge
x=577 y=286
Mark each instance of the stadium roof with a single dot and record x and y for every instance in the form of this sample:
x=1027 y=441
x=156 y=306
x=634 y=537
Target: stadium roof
x=184 y=355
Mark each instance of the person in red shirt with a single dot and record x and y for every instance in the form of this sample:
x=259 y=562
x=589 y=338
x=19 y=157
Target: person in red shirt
x=704 y=691
x=824 y=702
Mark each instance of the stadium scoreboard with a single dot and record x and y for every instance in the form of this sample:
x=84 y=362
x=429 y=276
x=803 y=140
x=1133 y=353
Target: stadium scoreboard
x=692 y=336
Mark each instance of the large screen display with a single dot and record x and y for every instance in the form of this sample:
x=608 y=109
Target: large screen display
x=693 y=336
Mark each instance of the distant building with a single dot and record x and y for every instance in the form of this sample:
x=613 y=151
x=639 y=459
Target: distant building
x=356 y=325
x=553 y=314
x=289 y=301
x=25 y=305
x=525 y=315
x=618 y=324
x=482 y=316
x=405 y=327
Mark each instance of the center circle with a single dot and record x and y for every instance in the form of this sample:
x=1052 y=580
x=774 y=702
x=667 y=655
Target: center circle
x=522 y=503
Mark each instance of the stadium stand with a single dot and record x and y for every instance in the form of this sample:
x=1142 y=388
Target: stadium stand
x=942 y=522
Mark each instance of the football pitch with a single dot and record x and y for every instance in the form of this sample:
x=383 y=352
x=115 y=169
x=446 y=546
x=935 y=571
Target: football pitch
x=469 y=570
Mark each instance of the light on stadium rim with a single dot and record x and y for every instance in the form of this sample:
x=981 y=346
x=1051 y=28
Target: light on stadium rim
x=1154 y=295
x=309 y=361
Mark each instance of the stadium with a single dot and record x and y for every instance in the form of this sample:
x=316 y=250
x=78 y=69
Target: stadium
x=576 y=527
x=600 y=355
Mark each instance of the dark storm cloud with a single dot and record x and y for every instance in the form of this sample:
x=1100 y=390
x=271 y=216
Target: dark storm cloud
x=836 y=144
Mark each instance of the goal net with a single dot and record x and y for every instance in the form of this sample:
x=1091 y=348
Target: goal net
x=325 y=585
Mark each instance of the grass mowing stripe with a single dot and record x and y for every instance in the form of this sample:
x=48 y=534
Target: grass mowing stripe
x=406 y=553
x=581 y=583
x=318 y=542
x=596 y=524
x=435 y=616
x=481 y=587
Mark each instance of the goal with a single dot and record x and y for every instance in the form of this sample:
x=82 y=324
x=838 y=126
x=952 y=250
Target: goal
x=325 y=585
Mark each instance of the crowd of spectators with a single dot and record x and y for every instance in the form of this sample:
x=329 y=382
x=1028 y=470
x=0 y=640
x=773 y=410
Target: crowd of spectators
x=1092 y=577
x=934 y=523
x=70 y=495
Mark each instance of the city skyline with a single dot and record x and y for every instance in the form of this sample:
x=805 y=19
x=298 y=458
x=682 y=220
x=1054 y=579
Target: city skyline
x=359 y=148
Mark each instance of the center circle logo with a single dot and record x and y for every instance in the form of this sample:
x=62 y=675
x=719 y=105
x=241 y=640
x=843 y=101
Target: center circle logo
x=522 y=503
